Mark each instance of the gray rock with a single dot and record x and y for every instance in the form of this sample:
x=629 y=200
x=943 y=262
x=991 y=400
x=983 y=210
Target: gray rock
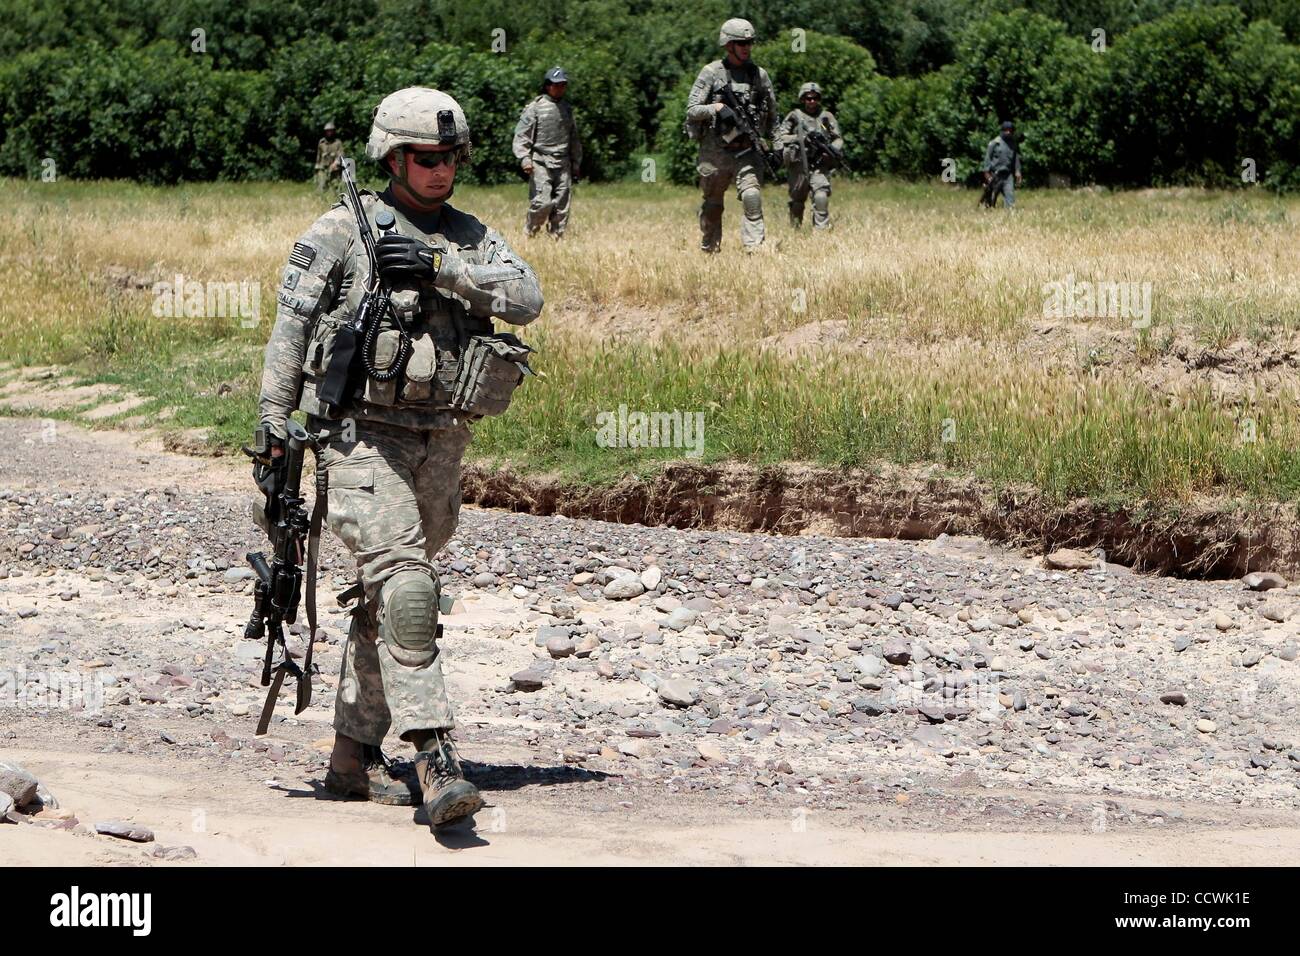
x=173 y=853
x=237 y=574
x=624 y=587
x=529 y=679
x=484 y=579
x=1263 y=581
x=124 y=831
x=681 y=618
x=1174 y=697
x=560 y=647
x=898 y=651
x=677 y=692
x=18 y=784
x=1071 y=559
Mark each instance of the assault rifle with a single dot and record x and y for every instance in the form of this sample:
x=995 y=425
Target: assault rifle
x=771 y=160
x=278 y=587
x=363 y=328
x=992 y=188
x=820 y=153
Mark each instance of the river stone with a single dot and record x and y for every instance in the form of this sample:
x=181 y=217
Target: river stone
x=624 y=587
x=124 y=831
x=651 y=577
x=677 y=692
x=1263 y=581
x=18 y=784
x=1070 y=559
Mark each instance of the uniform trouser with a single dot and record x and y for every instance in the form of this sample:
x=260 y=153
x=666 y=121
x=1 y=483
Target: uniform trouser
x=549 y=192
x=817 y=183
x=324 y=177
x=1008 y=193
x=394 y=498
x=718 y=170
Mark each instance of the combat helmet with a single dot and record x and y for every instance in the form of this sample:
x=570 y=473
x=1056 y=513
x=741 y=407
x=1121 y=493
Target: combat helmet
x=417 y=115
x=809 y=88
x=735 y=29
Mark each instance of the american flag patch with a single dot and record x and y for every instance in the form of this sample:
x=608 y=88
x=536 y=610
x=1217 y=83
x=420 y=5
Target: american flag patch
x=302 y=256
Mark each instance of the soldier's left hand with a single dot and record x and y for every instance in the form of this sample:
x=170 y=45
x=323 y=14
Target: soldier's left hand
x=1017 y=179
x=402 y=257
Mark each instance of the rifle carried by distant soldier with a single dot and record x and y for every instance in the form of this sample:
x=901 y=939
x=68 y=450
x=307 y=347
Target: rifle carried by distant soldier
x=737 y=116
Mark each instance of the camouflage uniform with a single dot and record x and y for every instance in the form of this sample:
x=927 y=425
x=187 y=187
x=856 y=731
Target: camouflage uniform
x=329 y=154
x=726 y=158
x=394 y=484
x=547 y=136
x=1002 y=157
x=797 y=124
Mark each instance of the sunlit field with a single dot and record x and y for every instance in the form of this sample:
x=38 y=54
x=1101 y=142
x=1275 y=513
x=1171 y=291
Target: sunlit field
x=921 y=329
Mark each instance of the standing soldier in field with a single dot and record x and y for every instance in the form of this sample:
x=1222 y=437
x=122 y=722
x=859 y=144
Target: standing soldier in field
x=392 y=459
x=728 y=155
x=813 y=147
x=329 y=154
x=550 y=153
x=1001 y=168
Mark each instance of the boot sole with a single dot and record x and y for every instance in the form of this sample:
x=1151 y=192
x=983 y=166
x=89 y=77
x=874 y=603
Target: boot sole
x=462 y=801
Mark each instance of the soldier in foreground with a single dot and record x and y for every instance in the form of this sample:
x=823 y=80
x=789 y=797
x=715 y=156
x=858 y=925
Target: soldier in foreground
x=1001 y=168
x=392 y=462
x=731 y=111
x=813 y=147
x=329 y=156
x=550 y=153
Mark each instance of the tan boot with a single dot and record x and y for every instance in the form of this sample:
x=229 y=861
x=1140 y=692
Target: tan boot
x=448 y=796
x=362 y=770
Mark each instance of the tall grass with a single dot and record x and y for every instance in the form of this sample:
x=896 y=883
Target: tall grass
x=934 y=312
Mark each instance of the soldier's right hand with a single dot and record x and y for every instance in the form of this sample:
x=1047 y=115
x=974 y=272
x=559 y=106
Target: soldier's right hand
x=528 y=168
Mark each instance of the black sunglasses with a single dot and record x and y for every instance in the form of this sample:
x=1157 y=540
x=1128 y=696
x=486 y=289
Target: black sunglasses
x=431 y=160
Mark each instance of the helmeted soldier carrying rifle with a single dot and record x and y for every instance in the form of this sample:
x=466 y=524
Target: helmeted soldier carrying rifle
x=384 y=338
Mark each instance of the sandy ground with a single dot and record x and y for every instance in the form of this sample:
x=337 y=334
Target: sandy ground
x=251 y=806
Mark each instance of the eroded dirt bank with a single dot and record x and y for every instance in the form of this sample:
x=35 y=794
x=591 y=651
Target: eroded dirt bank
x=1210 y=540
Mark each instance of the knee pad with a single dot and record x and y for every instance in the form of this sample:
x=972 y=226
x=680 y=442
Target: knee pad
x=822 y=200
x=752 y=200
x=409 y=623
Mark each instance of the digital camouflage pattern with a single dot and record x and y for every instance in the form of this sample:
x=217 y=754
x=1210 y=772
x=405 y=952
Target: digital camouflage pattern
x=394 y=470
x=394 y=499
x=329 y=157
x=797 y=124
x=726 y=159
x=546 y=137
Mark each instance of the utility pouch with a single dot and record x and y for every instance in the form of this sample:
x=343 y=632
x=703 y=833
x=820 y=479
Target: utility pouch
x=491 y=368
x=386 y=345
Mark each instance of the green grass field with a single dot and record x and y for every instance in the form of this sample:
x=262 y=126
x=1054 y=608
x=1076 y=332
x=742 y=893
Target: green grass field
x=914 y=332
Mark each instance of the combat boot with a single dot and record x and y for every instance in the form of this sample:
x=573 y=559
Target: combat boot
x=373 y=776
x=448 y=796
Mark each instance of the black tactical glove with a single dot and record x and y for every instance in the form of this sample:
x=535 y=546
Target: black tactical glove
x=726 y=117
x=401 y=257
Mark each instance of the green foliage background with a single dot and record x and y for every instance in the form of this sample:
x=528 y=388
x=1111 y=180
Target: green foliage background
x=1184 y=92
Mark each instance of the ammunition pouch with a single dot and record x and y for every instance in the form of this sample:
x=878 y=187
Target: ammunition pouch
x=491 y=368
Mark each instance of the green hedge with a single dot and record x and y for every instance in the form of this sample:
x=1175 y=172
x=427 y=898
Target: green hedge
x=1185 y=98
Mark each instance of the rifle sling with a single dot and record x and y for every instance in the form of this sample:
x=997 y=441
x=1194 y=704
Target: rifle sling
x=319 y=508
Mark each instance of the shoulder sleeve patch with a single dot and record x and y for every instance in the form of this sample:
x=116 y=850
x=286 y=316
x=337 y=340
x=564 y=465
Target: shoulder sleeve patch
x=302 y=256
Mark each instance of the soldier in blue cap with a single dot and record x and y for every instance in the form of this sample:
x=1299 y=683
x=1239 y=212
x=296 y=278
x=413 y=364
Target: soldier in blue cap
x=1001 y=168
x=550 y=153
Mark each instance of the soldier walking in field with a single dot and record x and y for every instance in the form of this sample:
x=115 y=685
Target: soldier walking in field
x=392 y=461
x=549 y=150
x=733 y=138
x=1001 y=168
x=813 y=147
x=329 y=156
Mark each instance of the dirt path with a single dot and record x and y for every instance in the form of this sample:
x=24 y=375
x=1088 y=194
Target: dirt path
x=119 y=565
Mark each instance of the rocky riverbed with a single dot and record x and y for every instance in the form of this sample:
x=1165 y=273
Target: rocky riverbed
x=871 y=684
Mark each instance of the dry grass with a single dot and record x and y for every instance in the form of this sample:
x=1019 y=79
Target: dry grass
x=938 y=309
